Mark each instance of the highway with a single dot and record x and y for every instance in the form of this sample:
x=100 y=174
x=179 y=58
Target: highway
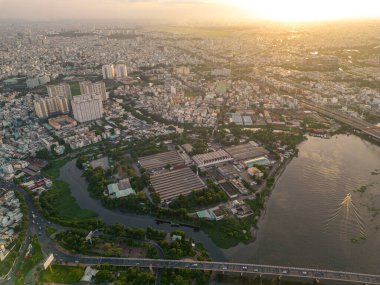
x=346 y=119
x=356 y=123
x=314 y=274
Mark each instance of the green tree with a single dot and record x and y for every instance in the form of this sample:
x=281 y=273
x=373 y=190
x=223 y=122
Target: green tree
x=43 y=154
x=156 y=198
x=81 y=159
x=104 y=276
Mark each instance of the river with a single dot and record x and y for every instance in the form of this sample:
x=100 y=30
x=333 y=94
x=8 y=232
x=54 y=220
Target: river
x=305 y=224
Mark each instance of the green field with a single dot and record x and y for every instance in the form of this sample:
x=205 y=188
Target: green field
x=193 y=93
x=75 y=89
x=52 y=169
x=33 y=259
x=7 y=263
x=228 y=232
x=59 y=203
x=61 y=274
x=50 y=230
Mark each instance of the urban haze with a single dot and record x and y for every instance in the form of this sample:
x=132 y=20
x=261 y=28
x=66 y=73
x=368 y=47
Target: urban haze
x=173 y=142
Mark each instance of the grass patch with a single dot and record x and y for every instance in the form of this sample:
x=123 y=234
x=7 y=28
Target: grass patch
x=193 y=93
x=229 y=232
x=15 y=246
x=51 y=230
x=61 y=274
x=53 y=168
x=59 y=203
x=35 y=257
x=7 y=263
x=75 y=89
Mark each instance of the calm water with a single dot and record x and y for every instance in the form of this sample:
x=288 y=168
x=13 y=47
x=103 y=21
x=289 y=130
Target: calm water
x=78 y=187
x=305 y=225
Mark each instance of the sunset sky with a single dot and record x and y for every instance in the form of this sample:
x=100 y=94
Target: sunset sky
x=190 y=10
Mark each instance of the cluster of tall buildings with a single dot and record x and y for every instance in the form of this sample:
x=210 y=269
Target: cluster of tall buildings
x=51 y=105
x=60 y=90
x=111 y=71
x=98 y=88
x=57 y=102
x=85 y=107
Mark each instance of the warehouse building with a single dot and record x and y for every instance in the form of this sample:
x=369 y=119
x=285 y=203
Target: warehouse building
x=172 y=184
x=212 y=158
x=161 y=160
x=246 y=151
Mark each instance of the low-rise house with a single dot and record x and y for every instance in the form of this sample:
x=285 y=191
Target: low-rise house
x=121 y=189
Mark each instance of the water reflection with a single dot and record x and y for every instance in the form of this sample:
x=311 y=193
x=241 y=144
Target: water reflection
x=293 y=231
x=347 y=219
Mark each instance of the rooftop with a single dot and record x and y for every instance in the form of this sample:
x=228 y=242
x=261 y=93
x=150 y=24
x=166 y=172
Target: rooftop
x=174 y=183
x=160 y=160
x=246 y=151
x=211 y=158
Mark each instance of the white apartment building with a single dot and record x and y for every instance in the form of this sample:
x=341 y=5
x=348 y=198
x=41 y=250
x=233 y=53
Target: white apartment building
x=60 y=90
x=98 y=88
x=121 y=70
x=108 y=71
x=87 y=107
x=46 y=106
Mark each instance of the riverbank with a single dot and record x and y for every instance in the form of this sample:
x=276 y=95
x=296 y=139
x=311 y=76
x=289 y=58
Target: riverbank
x=267 y=191
x=234 y=230
x=78 y=186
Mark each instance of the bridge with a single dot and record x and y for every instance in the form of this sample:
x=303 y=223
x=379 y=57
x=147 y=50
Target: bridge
x=346 y=119
x=260 y=270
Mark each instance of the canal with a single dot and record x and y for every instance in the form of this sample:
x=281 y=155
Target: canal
x=78 y=186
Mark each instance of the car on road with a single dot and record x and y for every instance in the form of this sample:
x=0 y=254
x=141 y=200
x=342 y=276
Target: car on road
x=304 y=273
x=256 y=270
x=244 y=268
x=284 y=271
x=195 y=265
x=225 y=267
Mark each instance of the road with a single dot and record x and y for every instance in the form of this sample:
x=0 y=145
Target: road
x=357 y=123
x=40 y=224
x=37 y=226
x=304 y=273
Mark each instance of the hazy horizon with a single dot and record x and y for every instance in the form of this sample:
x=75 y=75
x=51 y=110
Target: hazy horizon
x=189 y=11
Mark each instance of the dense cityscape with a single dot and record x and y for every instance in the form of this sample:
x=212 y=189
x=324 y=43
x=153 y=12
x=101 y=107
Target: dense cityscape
x=147 y=154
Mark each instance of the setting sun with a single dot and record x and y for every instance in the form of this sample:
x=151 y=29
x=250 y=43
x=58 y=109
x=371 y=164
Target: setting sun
x=303 y=10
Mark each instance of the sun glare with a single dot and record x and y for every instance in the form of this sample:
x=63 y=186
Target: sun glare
x=309 y=10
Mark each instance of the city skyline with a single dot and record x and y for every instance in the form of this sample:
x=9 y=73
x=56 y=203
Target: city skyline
x=177 y=142
x=190 y=11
